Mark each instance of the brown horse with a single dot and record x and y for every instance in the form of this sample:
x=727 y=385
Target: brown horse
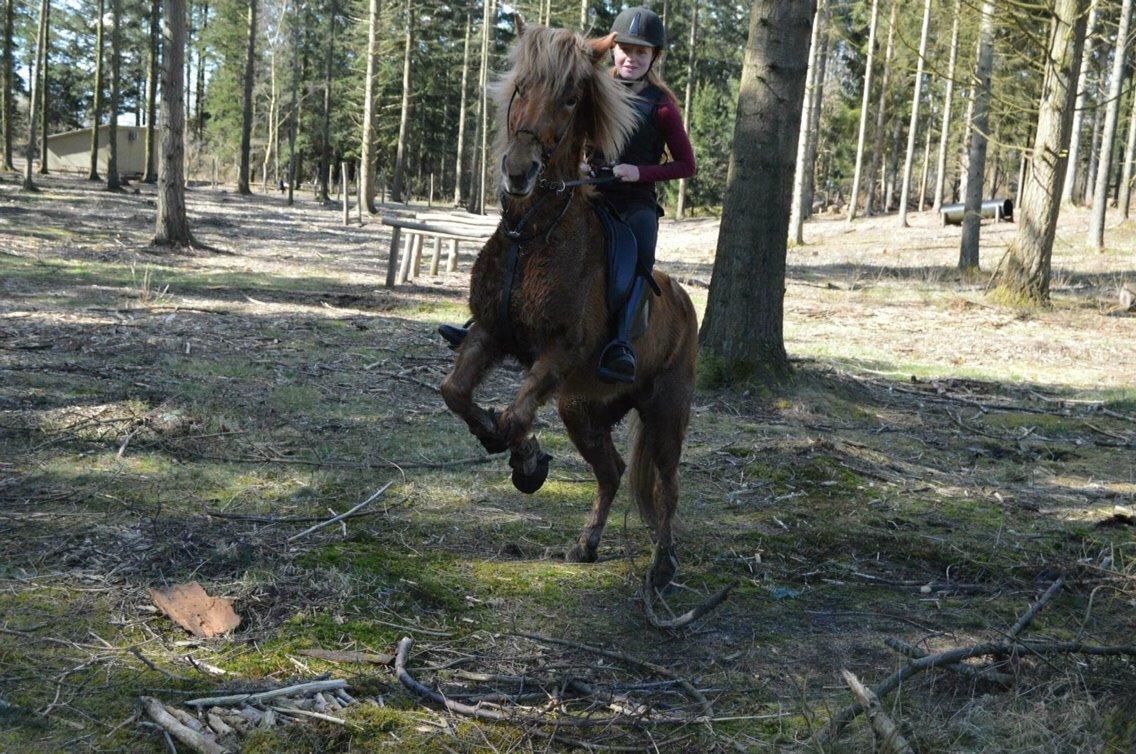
x=537 y=293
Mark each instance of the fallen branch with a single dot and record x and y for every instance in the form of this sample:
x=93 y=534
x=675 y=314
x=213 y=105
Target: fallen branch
x=690 y=615
x=341 y=516
x=891 y=740
x=1029 y=615
x=344 y=655
x=977 y=674
x=171 y=725
x=299 y=689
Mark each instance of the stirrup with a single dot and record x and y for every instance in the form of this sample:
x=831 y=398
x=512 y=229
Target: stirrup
x=454 y=336
x=617 y=363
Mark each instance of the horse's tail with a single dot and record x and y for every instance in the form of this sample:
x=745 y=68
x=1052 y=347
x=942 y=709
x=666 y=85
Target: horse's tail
x=643 y=476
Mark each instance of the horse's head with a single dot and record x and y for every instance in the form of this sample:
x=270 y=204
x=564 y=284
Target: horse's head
x=554 y=99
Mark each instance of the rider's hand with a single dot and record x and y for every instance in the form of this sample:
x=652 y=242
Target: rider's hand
x=586 y=170
x=626 y=173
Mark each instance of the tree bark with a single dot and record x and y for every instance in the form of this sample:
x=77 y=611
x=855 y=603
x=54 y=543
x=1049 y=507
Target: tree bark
x=273 y=115
x=97 y=98
x=29 y=184
x=367 y=157
x=979 y=126
x=1108 y=137
x=1072 y=165
x=814 y=113
x=246 y=107
x=6 y=109
x=478 y=188
x=295 y=107
x=325 y=156
x=44 y=114
x=858 y=173
x=1024 y=274
x=742 y=332
x=462 y=108
x=948 y=101
x=803 y=167
x=114 y=181
x=926 y=167
x=879 y=150
x=680 y=204
x=172 y=225
x=151 y=174
x=199 y=89
x=909 y=159
x=404 y=118
x=1126 y=177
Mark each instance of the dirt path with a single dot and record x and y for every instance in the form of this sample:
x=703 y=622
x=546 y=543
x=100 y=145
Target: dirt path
x=936 y=463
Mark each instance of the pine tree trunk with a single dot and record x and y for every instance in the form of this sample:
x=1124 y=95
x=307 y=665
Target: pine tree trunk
x=97 y=99
x=1068 y=193
x=172 y=225
x=859 y=171
x=815 y=109
x=199 y=89
x=325 y=156
x=979 y=127
x=44 y=113
x=742 y=332
x=114 y=181
x=404 y=119
x=295 y=109
x=6 y=110
x=680 y=204
x=29 y=155
x=948 y=101
x=1126 y=176
x=483 y=108
x=151 y=174
x=462 y=107
x=583 y=15
x=367 y=148
x=925 y=170
x=797 y=210
x=1108 y=137
x=1093 y=157
x=909 y=159
x=879 y=144
x=246 y=106
x=273 y=119
x=1024 y=274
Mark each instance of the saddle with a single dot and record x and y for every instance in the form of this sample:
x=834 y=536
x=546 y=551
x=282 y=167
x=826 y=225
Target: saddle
x=623 y=266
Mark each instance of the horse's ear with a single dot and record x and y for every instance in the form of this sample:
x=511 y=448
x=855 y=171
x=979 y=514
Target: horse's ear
x=519 y=23
x=601 y=46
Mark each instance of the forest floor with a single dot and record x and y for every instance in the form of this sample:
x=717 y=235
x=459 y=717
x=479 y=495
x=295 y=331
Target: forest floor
x=936 y=462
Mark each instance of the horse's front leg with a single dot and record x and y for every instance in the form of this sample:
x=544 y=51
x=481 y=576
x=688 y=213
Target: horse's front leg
x=529 y=462
x=477 y=355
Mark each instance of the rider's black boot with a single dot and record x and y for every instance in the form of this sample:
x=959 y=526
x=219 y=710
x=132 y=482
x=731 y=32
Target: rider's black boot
x=454 y=336
x=617 y=362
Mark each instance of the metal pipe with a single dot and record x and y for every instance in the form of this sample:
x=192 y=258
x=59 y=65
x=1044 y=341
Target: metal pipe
x=996 y=209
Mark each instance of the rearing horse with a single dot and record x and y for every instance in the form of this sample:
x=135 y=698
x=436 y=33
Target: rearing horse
x=537 y=293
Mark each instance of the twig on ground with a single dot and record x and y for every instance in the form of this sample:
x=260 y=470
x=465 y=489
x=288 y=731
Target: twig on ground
x=264 y=696
x=977 y=674
x=171 y=725
x=690 y=615
x=1029 y=615
x=378 y=493
x=891 y=740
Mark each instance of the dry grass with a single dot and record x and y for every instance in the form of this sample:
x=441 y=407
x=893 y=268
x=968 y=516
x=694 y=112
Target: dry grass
x=936 y=462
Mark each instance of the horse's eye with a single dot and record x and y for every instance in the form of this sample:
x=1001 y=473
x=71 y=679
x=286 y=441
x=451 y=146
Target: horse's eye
x=571 y=102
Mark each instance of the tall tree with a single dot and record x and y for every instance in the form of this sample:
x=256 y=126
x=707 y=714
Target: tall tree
x=692 y=48
x=814 y=113
x=151 y=173
x=1024 y=272
x=797 y=209
x=6 y=109
x=948 y=101
x=114 y=181
x=171 y=225
x=909 y=160
x=979 y=128
x=246 y=103
x=1067 y=190
x=293 y=125
x=1108 y=137
x=44 y=112
x=404 y=118
x=879 y=148
x=29 y=184
x=743 y=327
x=199 y=96
x=463 y=98
x=367 y=158
x=854 y=199
x=325 y=152
x=97 y=96
x=1126 y=177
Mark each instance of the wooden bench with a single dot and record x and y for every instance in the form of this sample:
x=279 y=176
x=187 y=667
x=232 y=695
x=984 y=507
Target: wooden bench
x=412 y=228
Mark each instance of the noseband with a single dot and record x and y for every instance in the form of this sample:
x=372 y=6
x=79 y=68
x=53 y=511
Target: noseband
x=547 y=152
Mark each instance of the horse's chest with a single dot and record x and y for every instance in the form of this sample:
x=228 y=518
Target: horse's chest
x=528 y=306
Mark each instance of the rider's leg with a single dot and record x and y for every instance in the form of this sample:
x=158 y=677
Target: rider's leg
x=617 y=363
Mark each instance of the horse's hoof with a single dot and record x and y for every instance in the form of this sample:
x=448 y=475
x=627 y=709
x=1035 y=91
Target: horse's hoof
x=580 y=554
x=663 y=570
x=529 y=473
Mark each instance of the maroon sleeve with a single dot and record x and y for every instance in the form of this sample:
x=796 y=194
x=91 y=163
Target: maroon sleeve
x=669 y=121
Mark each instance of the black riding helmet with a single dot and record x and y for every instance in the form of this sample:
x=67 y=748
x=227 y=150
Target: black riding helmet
x=640 y=26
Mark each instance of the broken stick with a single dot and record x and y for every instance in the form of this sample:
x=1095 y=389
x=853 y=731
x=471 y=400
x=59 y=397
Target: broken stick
x=891 y=740
x=191 y=738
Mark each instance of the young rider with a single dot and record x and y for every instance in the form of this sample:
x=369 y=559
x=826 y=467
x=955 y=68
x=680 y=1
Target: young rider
x=639 y=42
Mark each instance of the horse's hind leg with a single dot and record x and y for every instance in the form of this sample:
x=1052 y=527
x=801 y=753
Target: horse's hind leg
x=477 y=355
x=593 y=439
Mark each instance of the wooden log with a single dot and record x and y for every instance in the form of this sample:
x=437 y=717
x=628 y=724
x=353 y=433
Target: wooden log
x=452 y=261
x=343 y=188
x=392 y=260
x=436 y=256
x=416 y=256
x=191 y=738
x=404 y=261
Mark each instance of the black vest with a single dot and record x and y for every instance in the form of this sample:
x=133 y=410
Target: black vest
x=644 y=147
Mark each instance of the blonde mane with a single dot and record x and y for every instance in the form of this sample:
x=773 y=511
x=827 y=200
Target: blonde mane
x=550 y=64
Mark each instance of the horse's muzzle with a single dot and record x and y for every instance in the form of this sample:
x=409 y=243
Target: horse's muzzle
x=519 y=184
